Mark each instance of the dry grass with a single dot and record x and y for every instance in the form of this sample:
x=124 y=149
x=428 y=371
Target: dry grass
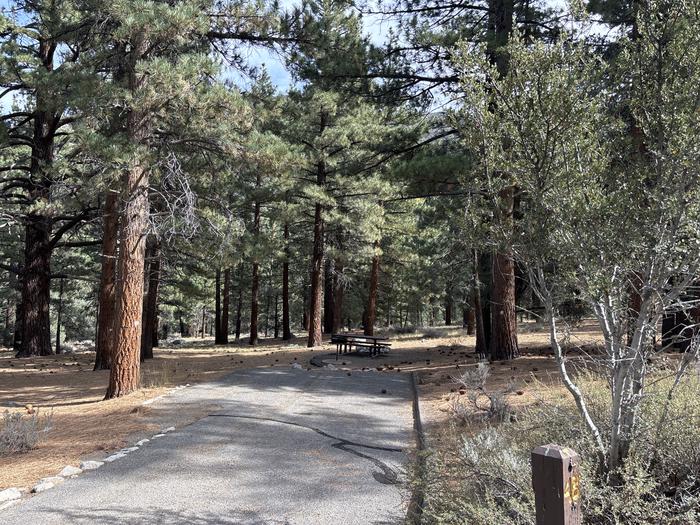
x=85 y=426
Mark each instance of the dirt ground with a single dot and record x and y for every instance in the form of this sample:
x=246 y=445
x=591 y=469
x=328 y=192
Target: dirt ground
x=84 y=426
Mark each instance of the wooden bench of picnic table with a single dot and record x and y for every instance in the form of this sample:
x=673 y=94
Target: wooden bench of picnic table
x=344 y=343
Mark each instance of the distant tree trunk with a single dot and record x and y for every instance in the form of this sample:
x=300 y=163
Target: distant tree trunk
x=150 y=305
x=19 y=324
x=372 y=298
x=255 y=285
x=338 y=297
x=481 y=346
x=277 y=323
x=181 y=323
x=204 y=321
x=59 y=311
x=448 y=310
x=226 y=305
x=328 y=289
x=7 y=331
x=267 y=305
x=254 y=290
x=239 y=307
x=305 y=309
x=217 y=308
x=469 y=319
x=286 y=328
x=316 y=299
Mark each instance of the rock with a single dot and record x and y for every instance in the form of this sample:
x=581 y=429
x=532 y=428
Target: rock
x=9 y=494
x=42 y=486
x=115 y=457
x=157 y=436
x=9 y=503
x=169 y=429
x=142 y=442
x=297 y=366
x=90 y=465
x=47 y=483
x=128 y=449
x=176 y=342
x=69 y=471
x=331 y=367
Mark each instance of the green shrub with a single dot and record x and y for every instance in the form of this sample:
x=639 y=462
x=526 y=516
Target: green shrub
x=484 y=478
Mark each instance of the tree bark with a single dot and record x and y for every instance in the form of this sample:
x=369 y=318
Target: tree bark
x=254 y=291
x=448 y=310
x=125 y=373
x=36 y=278
x=277 y=319
x=36 y=288
x=316 y=299
x=286 y=328
x=372 y=296
x=239 y=305
x=217 y=308
x=59 y=312
x=504 y=342
x=225 y=308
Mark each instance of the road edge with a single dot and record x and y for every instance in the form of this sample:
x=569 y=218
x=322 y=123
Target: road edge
x=415 y=505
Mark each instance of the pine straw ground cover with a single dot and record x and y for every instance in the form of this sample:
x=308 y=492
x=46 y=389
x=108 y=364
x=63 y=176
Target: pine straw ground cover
x=82 y=425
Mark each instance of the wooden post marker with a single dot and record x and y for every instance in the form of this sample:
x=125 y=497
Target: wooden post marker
x=556 y=481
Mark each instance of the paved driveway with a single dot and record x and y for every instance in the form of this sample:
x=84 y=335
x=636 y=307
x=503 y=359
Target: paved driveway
x=288 y=447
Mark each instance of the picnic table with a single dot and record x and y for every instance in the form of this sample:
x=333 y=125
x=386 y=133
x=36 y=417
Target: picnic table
x=344 y=343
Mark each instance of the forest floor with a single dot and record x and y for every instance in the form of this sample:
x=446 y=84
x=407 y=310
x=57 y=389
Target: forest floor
x=83 y=426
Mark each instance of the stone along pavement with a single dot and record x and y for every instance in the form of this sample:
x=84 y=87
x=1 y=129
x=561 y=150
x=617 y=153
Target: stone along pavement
x=287 y=446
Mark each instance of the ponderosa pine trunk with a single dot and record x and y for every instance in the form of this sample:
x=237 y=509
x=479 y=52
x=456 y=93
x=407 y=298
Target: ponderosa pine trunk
x=226 y=301
x=504 y=341
x=316 y=298
x=107 y=298
x=36 y=270
x=125 y=372
x=371 y=316
x=286 y=328
x=36 y=288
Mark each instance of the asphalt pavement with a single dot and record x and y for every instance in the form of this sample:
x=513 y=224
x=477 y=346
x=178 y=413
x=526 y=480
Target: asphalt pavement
x=287 y=446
